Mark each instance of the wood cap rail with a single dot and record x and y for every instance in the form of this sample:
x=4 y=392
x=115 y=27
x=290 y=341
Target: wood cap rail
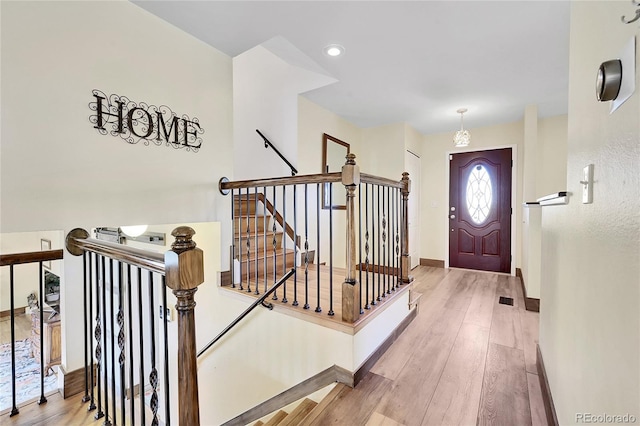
x=280 y=181
x=30 y=257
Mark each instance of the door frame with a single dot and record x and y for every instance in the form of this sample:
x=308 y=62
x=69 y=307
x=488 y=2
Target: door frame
x=514 y=181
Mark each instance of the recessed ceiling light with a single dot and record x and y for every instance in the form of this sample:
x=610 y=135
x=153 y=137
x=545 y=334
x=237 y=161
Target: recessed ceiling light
x=334 y=50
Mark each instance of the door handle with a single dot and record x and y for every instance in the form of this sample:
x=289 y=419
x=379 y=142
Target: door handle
x=453 y=216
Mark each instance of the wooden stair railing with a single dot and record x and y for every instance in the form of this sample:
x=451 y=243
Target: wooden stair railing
x=381 y=228
x=181 y=270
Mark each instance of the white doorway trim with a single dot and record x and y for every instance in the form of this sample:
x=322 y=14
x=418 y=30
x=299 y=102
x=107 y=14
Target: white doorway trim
x=415 y=228
x=514 y=192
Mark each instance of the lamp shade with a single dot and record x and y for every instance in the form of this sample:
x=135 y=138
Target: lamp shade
x=134 y=230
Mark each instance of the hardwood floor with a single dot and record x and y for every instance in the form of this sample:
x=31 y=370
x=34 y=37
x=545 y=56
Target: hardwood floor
x=464 y=360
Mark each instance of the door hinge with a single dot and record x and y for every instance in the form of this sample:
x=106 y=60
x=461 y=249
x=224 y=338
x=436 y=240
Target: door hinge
x=511 y=258
x=511 y=210
x=511 y=163
x=450 y=157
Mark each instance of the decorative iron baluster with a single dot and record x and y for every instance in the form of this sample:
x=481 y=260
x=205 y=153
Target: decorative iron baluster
x=248 y=244
x=366 y=245
x=381 y=265
x=295 y=248
x=397 y=260
x=98 y=335
x=318 y=308
x=284 y=242
x=378 y=263
x=130 y=333
x=113 y=344
x=167 y=399
x=14 y=405
x=360 y=245
x=85 y=398
x=141 y=385
x=92 y=405
x=273 y=229
x=306 y=249
x=104 y=341
x=389 y=251
x=121 y=341
x=153 y=375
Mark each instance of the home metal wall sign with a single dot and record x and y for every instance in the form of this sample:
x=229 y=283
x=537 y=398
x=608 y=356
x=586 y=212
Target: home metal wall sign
x=134 y=122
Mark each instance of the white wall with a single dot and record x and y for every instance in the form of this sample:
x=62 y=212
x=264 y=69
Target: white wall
x=58 y=172
x=383 y=151
x=589 y=316
x=552 y=155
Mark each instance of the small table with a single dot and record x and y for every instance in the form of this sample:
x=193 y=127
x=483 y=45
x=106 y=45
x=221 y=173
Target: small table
x=51 y=339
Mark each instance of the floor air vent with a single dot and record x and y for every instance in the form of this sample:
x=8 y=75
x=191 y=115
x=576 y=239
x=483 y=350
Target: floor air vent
x=506 y=300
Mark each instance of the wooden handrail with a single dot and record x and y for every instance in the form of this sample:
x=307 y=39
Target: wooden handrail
x=378 y=180
x=78 y=241
x=30 y=257
x=293 y=180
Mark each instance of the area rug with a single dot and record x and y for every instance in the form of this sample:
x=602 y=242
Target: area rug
x=27 y=376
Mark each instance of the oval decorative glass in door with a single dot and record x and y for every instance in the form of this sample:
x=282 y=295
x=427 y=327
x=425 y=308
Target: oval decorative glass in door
x=479 y=194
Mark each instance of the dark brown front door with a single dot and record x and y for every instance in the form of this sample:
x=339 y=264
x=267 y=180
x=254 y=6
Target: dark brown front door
x=480 y=210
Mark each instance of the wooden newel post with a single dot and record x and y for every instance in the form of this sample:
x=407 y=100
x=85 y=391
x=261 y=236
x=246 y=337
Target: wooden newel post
x=350 y=287
x=406 y=259
x=184 y=271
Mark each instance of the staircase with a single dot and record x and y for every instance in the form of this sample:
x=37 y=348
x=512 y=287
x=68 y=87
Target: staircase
x=306 y=412
x=259 y=239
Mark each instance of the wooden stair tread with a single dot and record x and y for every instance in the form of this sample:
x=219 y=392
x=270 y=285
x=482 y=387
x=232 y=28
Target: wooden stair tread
x=258 y=423
x=332 y=396
x=299 y=413
x=277 y=418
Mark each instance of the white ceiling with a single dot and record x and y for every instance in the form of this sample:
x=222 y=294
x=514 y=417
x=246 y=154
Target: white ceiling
x=414 y=61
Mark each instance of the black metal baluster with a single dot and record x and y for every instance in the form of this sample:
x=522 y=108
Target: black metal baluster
x=153 y=375
x=319 y=196
x=42 y=399
x=98 y=334
x=360 y=245
x=104 y=342
x=402 y=222
x=92 y=405
x=167 y=399
x=378 y=264
x=284 y=241
x=382 y=265
x=113 y=344
x=85 y=398
x=255 y=233
x=274 y=242
x=373 y=246
x=390 y=242
x=306 y=249
x=130 y=332
x=121 y=341
x=366 y=244
x=331 y=313
x=233 y=246
x=239 y=219
x=396 y=264
x=141 y=386
x=14 y=406
x=248 y=243
x=264 y=249
x=295 y=247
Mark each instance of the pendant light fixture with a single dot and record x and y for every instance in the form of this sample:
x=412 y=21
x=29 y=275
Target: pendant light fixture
x=462 y=137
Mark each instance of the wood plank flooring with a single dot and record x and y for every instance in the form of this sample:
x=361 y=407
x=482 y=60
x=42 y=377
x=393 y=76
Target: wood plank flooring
x=464 y=360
